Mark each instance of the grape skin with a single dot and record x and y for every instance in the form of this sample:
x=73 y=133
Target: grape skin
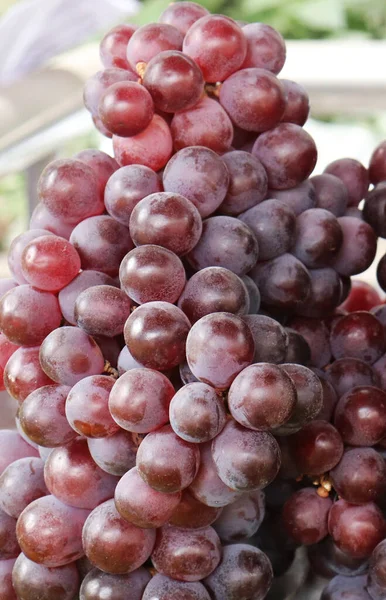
x=32 y=580
x=96 y=584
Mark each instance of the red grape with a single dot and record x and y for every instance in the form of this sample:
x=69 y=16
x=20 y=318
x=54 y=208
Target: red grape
x=164 y=588
x=6 y=351
x=23 y=373
x=101 y=163
x=271 y=339
x=316 y=335
x=348 y=373
x=96 y=86
x=241 y=519
x=354 y=176
x=112 y=49
x=360 y=476
x=377 y=167
x=363 y=296
x=331 y=193
x=316 y=448
x=325 y=294
x=193 y=514
x=360 y=416
x=340 y=588
x=305 y=516
x=265 y=47
x=102 y=310
x=374 y=209
x=248 y=182
x=318 y=237
x=299 y=198
x=254 y=295
x=9 y=547
x=21 y=483
x=297 y=102
x=32 y=580
x=97 y=584
x=16 y=250
x=126 y=108
x=7 y=591
x=182 y=15
x=358 y=248
x=358 y=335
x=149 y=40
x=87 y=409
x=126 y=362
x=115 y=454
x=298 y=350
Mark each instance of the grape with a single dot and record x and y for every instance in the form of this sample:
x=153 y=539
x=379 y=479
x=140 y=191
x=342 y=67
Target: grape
x=253 y=293
x=114 y=545
x=68 y=354
x=248 y=182
x=358 y=335
x=7 y=591
x=316 y=335
x=126 y=187
x=217 y=44
x=168 y=220
x=186 y=374
x=42 y=416
x=358 y=248
x=112 y=49
x=297 y=103
x=283 y=281
x=325 y=294
x=6 y=285
x=265 y=48
x=126 y=362
x=6 y=351
x=309 y=397
x=155 y=335
x=126 y=108
x=139 y=401
x=101 y=163
x=271 y=339
x=9 y=547
x=360 y=416
x=207 y=183
x=360 y=476
x=273 y=223
x=244 y=572
x=262 y=397
x=166 y=462
x=219 y=346
x=18 y=310
x=186 y=554
x=68 y=188
x=32 y=581
x=182 y=15
x=197 y=413
x=152 y=273
x=21 y=483
x=174 y=81
x=327 y=561
x=160 y=587
x=85 y=280
x=299 y=198
x=225 y=242
x=16 y=250
x=97 y=584
x=254 y=99
x=330 y=397
x=193 y=514
x=140 y=504
x=348 y=373
x=377 y=575
x=96 y=86
x=213 y=289
x=340 y=588
x=381 y=272
x=245 y=460
x=101 y=243
x=318 y=237
x=205 y=124
x=377 y=168
x=305 y=516
x=331 y=193
x=298 y=350
x=363 y=296
x=151 y=148
x=87 y=408
x=207 y=487
x=49 y=532
x=149 y=40
x=115 y=454
x=23 y=373
x=102 y=310
x=241 y=519
x=374 y=209
x=288 y=154
x=316 y=448
x=356 y=530
x=354 y=176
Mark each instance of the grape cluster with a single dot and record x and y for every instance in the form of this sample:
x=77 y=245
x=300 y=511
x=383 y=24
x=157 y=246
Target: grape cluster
x=201 y=387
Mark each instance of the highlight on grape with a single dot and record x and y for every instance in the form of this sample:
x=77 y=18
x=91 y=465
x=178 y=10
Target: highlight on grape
x=201 y=385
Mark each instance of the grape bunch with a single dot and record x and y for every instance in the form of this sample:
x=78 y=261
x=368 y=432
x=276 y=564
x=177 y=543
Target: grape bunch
x=201 y=386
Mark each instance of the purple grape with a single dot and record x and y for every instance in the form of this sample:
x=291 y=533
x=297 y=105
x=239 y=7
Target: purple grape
x=305 y=516
x=248 y=182
x=331 y=193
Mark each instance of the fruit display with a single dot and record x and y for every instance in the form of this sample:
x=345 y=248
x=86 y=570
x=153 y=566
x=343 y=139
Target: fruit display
x=201 y=384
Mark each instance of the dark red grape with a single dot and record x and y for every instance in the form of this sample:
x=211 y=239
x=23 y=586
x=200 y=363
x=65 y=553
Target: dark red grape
x=377 y=571
x=112 y=48
x=340 y=588
x=241 y=519
x=31 y=580
x=115 y=454
x=358 y=248
x=97 y=584
x=363 y=296
x=377 y=168
x=162 y=587
x=149 y=40
x=265 y=47
x=381 y=272
x=182 y=15
x=374 y=209
x=96 y=86
x=23 y=373
x=360 y=476
x=193 y=514
x=358 y=335
x=305 y=516
x=102 y=310
x=21 y=483
x=298 y=350
x=354 y=176
x=326 y=289
x=318 y=238
x=316 y=448
x=299 y=198
x=330 y=398
x=331 y=193
x=248 y=182
x=316 y=335
x=360 y=416
x=348 y=373
x=126 y=108
x=327 y=561
x=297 y=103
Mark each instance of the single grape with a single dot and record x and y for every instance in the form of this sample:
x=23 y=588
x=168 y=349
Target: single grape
x=7 y=591
x=68 y=354
x=211 y=290
x=32 y=580
x=140 y=504
x=358 y=249
x=354 y=176
x=341 y=587
x=298 y=350
x=16 y=249
x=87 y=409
x=219 y=346
x=316 y=448
x=166 y=462
x=115 y=454
x=374 y=209
x=193 y=514
x=244 y=572
x=18 y=310
x=254 y=99
x=208 y=180
x=325 y=293
x=96 y=86
x=151 y=148
x=305 y=516
x=126 y=362
x=242 y=519
x=360 y=476
x=114 y=545
x=23 y=373
x=151 y=39
x=163 y=588
x=112 y=48
x=288 y=154
x=273 y=223
x=331 y=193
x=139 y=401
x=271 y=339
x=299 y=198
x=102 y=310
x=100 y=127
x=360 y=416
x=265 y=48
x=377 y=167
x=381 y=272
x=218 y=45
x=248 y=182
x=319 y=238
x=97 y=584
x=21 y=483
x=126 y=108
x=316 y=335
x=358 y=335
x=245 y=460
x=363 y=296
x=186 y=554
x=197 y=413
x=182 y=15
x=9 y=547
x=50 y=532
x=348 y=373
x=356 y=530
x=297 y=103
x=155 y=334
